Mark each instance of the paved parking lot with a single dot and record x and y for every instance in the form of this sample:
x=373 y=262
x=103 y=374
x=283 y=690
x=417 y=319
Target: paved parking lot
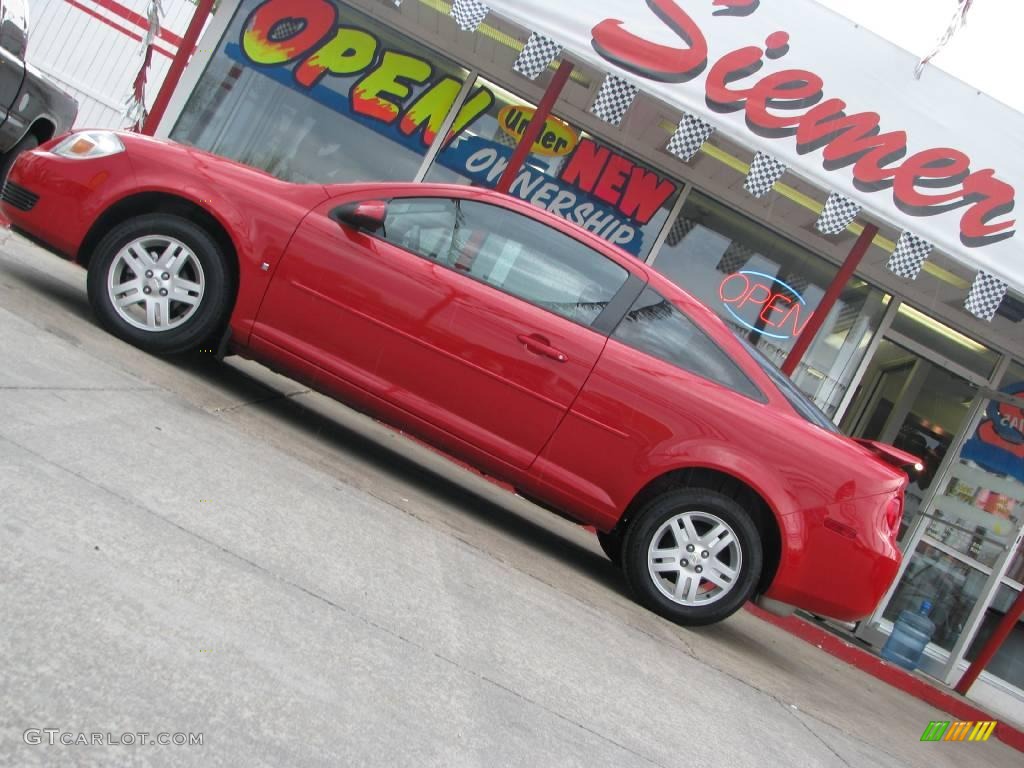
x=207 y=548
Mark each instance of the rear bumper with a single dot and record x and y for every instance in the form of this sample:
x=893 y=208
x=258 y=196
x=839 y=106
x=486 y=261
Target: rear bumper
x=845 y=565
x=55 y=201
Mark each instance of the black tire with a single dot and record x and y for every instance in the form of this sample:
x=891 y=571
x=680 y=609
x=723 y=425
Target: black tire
x=208 y=317
x=707 y=508
x=611 y=543
x=28 y=141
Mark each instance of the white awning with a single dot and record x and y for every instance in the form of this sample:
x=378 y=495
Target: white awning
x=933 y=157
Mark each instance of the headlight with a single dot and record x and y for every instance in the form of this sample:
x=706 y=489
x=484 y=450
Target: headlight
x=89 y=145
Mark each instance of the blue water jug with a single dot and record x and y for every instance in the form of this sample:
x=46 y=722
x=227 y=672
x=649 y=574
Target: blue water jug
x=910 y=635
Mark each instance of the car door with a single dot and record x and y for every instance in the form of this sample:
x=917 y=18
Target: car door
x=472 y=316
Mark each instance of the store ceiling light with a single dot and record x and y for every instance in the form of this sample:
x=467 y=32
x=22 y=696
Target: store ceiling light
x=908 y=311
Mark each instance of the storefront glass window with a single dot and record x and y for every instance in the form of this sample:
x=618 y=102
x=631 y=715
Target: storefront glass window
x=568 y=172
x=766 y=288
x=982 y=507
x=1008 y=663
x=950 y=585
x=332 y=97
x=973 y=521
x=998 y=448
x=1015 y=570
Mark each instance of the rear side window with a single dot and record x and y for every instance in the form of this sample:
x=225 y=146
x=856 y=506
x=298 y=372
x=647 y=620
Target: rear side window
x=655 y=326
x=800 y=402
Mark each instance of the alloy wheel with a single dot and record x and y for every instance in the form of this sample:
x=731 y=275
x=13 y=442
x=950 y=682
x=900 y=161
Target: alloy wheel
x=694 y=558
x=155 y=283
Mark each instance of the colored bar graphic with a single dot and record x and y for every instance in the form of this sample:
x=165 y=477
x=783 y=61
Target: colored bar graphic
x=982 y=731
x=957 y=732
x=935 y=731
x=943 y=730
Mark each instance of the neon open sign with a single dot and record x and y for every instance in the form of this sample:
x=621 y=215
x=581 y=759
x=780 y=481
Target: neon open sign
x=779 y=311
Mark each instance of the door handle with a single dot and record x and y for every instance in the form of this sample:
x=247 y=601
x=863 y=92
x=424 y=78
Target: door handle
x=539 y=345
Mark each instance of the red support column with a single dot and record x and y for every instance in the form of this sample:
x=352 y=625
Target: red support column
x=188 y=44
x=991 y=646
x=547 y=103
x=828 y=301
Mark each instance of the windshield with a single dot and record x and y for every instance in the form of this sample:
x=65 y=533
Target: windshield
x=800 y=402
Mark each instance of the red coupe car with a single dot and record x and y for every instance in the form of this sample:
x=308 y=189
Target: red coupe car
x=507 y=337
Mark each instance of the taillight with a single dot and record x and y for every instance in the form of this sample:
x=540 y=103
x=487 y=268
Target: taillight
x=894 y=513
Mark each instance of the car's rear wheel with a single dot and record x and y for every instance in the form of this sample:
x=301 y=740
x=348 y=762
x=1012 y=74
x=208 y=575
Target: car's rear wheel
x=28 y=141
x=692 y=555
x=160 y=282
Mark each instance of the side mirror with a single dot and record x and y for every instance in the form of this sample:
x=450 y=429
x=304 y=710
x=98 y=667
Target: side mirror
x=368 y=215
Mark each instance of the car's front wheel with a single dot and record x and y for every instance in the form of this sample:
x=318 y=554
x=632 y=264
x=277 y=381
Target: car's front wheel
x=692 y=555
x=160 y=282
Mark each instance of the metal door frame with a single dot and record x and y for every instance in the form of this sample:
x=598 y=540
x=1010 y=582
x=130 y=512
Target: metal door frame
x=869 y=354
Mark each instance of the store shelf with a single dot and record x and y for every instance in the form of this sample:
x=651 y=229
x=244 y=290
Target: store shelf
x=951 y=505
x=975 y=475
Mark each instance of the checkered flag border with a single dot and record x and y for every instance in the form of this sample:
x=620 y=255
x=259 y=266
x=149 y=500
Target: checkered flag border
x=536 y=56
x=469 y=14
x=764 y=171
x=838 y=214
x=689 y=137
x=734 y=259
x=909 y=255
x=679 y=231
x=986 y=295
x=848 y=313
x=614 y=99
x=505 y=139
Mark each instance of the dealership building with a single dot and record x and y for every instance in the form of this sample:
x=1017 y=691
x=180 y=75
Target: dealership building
x=851 y=220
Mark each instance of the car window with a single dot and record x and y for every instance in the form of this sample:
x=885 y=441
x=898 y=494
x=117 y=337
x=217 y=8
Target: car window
x=655 y=326
x=797 y=399
x=16 y=11
x=424 y=226
x=14 y=26
x=509 y=251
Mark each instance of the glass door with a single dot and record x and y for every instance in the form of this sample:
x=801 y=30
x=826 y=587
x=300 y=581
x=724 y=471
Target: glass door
x=916 y=404
x=920 y=392
x=963 y=549
x=962 y=543
x=994 y=458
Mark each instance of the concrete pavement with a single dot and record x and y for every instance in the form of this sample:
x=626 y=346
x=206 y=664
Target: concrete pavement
x=209 y=548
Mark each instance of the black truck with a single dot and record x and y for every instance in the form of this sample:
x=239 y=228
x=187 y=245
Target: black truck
x=32 y=109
